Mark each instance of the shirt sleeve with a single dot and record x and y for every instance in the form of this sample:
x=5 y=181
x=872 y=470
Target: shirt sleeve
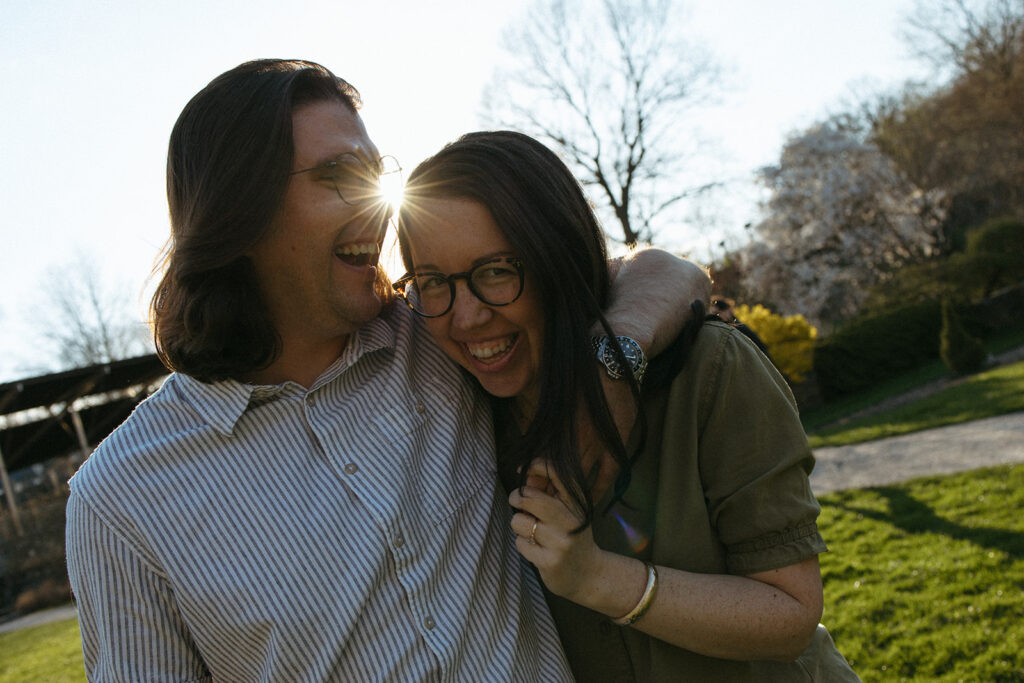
x=755 y=463
x=131 y=629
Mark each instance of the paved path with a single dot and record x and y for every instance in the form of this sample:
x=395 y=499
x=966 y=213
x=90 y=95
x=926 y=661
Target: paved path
x=982 y=443
x=38 y=618
x=968 y=446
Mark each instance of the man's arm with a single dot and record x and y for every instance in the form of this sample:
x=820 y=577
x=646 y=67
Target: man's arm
x=130 y=628
x=650 y=302
x=651 y=295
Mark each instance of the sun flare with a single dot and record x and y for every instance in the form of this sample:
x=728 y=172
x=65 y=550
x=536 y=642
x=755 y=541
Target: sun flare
x=392 y=188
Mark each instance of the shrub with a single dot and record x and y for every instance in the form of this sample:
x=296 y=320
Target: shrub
x=790 y=339
x=962 y=353
x=873 y=348
x=993 y=259
x=995 y=253
x=49 y=593
x=922 y=282
x=1000 y=236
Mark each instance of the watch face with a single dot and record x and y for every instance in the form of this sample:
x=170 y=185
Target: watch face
x=634 y=356
x=630 y=350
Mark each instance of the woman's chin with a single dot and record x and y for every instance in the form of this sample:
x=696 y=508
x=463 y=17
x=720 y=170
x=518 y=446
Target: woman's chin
x=498 y=389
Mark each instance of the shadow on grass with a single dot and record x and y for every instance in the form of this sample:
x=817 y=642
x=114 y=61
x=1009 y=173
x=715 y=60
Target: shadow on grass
x=913 y=516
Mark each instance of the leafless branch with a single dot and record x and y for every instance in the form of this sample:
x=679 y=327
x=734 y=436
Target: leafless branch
x=85 y=320
x=607 y=82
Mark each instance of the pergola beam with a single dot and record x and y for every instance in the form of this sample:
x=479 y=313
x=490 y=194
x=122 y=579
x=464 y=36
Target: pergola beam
x=12 y=504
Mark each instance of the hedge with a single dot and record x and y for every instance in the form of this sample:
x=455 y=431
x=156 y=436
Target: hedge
x=874 y=348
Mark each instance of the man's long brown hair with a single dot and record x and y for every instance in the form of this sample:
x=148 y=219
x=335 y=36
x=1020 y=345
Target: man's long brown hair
x=228 y=162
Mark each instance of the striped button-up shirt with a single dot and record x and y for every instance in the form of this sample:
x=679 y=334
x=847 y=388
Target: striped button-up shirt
x=353 y=531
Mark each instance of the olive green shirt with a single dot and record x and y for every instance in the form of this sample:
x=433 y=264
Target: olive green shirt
x=719 y=487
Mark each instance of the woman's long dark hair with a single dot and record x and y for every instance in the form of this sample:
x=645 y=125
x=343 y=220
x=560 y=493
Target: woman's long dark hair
x=542 y=211
x=227 y=169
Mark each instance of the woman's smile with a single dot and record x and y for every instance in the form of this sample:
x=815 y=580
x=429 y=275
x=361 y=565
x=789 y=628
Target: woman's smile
x=493 y=351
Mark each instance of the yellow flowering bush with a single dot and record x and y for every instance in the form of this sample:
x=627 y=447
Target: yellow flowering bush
x=790 y=339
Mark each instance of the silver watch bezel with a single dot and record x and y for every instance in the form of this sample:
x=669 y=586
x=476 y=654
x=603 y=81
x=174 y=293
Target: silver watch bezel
x=630 y=347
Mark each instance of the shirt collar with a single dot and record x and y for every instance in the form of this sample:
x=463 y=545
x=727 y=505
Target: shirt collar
x=376 y=335
x=222 y=404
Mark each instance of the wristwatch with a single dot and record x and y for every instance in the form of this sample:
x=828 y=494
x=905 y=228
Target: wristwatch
x=630 y=349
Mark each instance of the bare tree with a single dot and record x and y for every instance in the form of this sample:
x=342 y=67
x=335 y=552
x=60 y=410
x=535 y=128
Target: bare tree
x=85 y=320
x=966 y=136
x=609 y=83
x=970 y=35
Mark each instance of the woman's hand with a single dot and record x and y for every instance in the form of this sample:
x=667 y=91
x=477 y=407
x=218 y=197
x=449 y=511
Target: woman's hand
x=544 y=524
x=769 y=615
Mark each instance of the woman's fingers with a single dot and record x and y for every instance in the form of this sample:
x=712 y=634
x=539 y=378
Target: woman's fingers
x=543 y=468
x=536 y=502
x=540 y=468
x=533 y=504
x=526 y=527
x=541 y=483
x=538 y=479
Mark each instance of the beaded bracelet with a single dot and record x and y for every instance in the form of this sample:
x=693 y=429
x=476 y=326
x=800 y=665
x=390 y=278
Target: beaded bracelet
x=645 y=600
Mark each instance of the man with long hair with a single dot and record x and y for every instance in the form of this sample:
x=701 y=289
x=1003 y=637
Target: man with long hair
x=311 y=495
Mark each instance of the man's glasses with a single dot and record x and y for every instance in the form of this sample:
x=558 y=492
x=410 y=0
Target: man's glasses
x=497 y=282
x=357 y=181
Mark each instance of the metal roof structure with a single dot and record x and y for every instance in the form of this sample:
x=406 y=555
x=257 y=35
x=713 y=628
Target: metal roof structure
x=53 y=415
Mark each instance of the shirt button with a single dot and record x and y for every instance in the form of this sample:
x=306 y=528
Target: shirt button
x=399 y=541
x=310 y=401
x=351 y=468
x=429 y=623
x=421 y=407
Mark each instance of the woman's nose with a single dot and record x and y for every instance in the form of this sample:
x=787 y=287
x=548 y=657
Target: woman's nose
x=467 y=309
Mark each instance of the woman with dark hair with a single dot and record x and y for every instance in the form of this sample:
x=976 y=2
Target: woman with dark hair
x=706 y=548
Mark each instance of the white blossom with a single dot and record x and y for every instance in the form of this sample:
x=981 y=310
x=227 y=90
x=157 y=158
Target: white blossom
x=840 y=218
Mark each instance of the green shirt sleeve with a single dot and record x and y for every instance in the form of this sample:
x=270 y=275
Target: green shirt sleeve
x=754 y=460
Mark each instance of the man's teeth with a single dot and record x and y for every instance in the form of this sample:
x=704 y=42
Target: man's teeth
x=488 y=349
x=358 y=254
x=357 y=249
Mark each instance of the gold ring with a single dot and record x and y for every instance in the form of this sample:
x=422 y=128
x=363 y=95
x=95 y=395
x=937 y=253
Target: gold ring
x=533 y=532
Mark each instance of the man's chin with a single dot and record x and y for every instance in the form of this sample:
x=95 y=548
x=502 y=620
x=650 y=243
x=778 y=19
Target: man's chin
x=371 y=308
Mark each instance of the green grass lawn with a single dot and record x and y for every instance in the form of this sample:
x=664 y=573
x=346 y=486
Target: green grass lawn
x=925 y=580
x=42 y=654
x=994 y=392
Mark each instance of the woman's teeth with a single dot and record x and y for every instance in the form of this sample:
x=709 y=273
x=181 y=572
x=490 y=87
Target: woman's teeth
x=490 y=349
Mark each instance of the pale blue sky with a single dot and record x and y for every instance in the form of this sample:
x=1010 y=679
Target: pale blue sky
x=92 y=89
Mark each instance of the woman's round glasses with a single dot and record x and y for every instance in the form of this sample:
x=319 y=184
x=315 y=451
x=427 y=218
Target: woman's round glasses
x=497 y=282
x=357 y=181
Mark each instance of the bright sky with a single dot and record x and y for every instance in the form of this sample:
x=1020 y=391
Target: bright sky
x=92 y=89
